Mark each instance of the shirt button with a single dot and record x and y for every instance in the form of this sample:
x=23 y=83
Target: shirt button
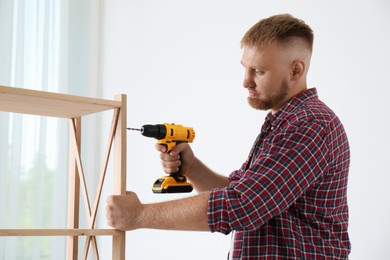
x=272 y=128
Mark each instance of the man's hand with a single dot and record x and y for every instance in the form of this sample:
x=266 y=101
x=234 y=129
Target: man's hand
x=181 y=155
x=123 y=211
x=197 y=173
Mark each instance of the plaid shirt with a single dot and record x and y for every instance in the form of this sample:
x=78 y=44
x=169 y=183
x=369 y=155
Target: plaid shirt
x=289 y=199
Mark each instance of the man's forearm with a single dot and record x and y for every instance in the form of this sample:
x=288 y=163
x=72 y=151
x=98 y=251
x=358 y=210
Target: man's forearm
x=183 y=214
x=204 y=179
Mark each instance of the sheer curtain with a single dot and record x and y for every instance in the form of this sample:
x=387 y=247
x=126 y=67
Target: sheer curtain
x=45 y=45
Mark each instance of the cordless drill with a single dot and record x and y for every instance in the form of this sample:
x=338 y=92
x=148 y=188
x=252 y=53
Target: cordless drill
x=169 y=135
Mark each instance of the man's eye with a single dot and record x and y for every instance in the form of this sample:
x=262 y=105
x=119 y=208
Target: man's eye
x=259 y=72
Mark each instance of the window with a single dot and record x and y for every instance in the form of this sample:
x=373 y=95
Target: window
x=44 y=45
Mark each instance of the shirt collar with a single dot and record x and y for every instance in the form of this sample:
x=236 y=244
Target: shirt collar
x=291 y=105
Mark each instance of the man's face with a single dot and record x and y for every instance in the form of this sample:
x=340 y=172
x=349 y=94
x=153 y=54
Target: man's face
x=266 y=77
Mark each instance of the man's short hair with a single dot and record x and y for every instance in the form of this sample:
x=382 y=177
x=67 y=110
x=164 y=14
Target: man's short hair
x=278 y=28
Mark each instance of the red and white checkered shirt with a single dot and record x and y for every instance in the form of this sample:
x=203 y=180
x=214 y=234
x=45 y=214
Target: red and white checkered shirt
x=289 y=199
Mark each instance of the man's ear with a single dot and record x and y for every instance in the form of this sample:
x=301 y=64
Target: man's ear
x=297 y=69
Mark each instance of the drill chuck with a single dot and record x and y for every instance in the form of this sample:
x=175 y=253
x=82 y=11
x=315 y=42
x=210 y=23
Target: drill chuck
x=158 y=131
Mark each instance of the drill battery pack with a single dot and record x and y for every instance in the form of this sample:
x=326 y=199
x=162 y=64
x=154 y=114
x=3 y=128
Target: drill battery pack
x=169 y=184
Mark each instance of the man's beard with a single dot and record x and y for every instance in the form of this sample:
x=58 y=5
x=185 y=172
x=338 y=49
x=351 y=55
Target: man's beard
x=272 y=101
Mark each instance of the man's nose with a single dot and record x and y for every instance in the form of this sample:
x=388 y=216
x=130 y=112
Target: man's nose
x=248 y=80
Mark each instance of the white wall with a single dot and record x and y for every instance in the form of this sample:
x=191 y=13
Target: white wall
x=179 y=61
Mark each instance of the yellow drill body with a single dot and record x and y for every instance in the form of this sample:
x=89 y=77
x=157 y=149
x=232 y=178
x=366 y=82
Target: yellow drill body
x=176 y=134
x=170 y=135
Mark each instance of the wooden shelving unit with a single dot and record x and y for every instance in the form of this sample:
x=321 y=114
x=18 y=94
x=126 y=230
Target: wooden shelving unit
x=25 y=101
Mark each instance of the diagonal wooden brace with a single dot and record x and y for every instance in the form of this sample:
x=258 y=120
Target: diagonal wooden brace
x=76 y=150
x=92 y=218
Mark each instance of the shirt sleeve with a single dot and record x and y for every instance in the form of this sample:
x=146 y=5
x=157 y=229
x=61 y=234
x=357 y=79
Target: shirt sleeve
x=288 y=165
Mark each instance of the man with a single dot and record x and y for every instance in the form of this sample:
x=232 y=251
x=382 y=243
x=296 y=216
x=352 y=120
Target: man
x=289 y=199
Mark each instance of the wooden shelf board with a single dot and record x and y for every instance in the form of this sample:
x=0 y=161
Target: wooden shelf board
x=26 y=101
x=59 y=232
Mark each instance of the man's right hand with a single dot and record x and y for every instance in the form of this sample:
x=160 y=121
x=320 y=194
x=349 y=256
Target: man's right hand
x=181 y=155
x=203 y=178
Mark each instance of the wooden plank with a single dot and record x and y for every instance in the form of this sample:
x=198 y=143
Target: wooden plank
x=75 y=141
x=120 y=144
x=59 y=232
x=73 y=192
x=27 y=101
x=119 y=246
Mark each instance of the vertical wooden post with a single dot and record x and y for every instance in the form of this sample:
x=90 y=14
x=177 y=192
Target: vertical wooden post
x=73 y=194
x=120 y=143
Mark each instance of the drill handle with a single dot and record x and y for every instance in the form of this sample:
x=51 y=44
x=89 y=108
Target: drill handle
x=169 y=145
x=178 y=176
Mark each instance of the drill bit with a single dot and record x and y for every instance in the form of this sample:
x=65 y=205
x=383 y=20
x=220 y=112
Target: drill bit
x=135 y=129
